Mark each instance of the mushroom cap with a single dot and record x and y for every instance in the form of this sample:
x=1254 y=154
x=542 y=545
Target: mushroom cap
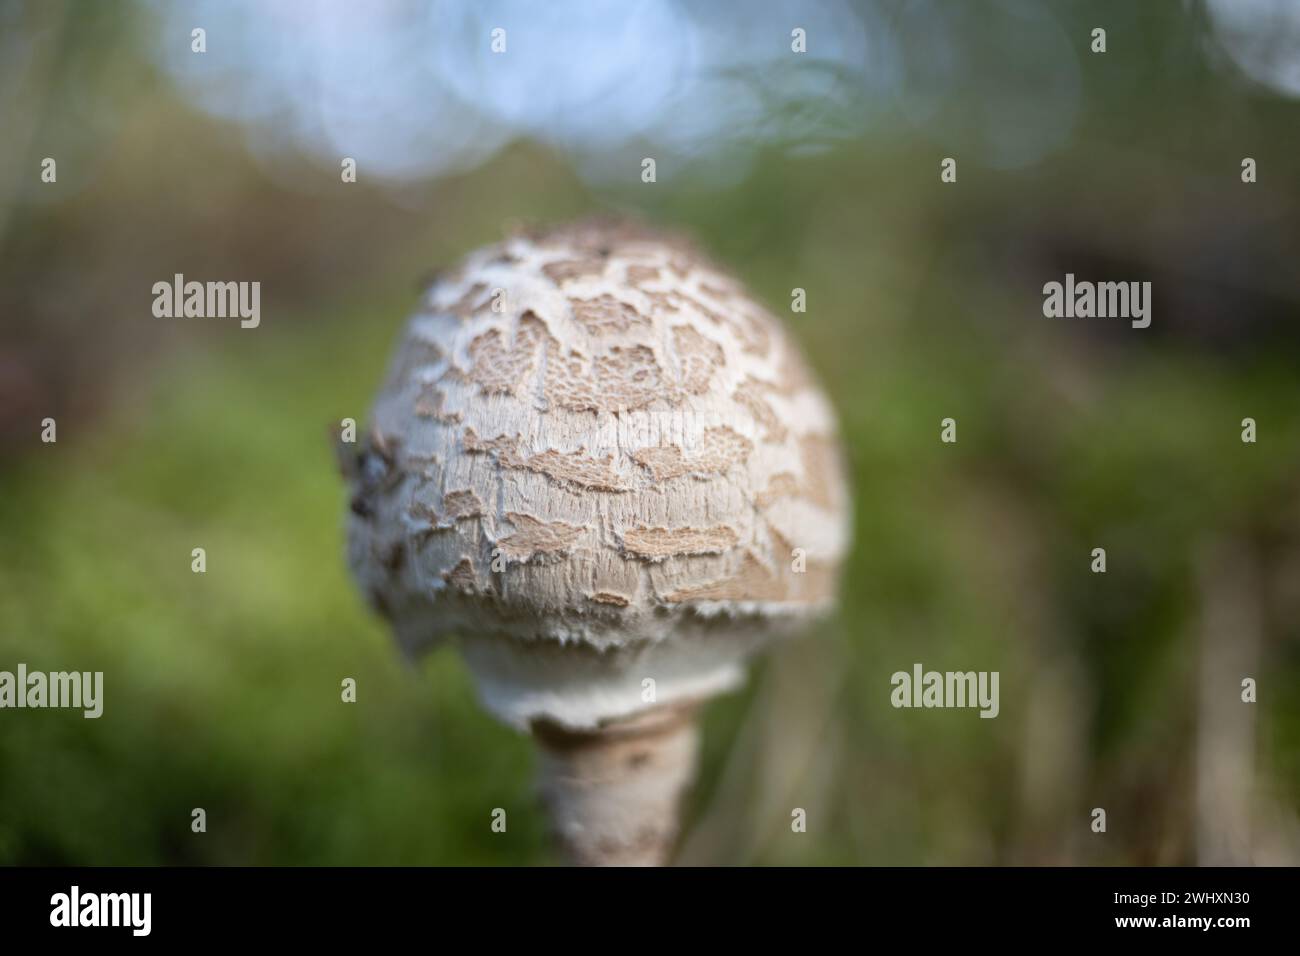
x=597 y=460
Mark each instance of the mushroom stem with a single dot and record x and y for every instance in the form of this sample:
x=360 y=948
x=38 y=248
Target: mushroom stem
x=612 y=793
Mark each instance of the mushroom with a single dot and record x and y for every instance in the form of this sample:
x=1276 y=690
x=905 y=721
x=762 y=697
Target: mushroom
x=605 y=471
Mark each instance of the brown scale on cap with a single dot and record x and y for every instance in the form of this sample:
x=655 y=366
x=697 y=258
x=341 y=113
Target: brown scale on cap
x=658 y=544
x=720 y=448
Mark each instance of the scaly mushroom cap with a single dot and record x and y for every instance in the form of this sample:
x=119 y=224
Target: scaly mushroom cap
x=597 y=461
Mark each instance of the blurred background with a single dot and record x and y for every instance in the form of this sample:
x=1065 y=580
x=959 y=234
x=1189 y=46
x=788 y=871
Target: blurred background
x=818 y=170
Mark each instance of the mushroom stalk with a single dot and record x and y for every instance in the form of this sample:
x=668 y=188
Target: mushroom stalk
x=613 y=793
